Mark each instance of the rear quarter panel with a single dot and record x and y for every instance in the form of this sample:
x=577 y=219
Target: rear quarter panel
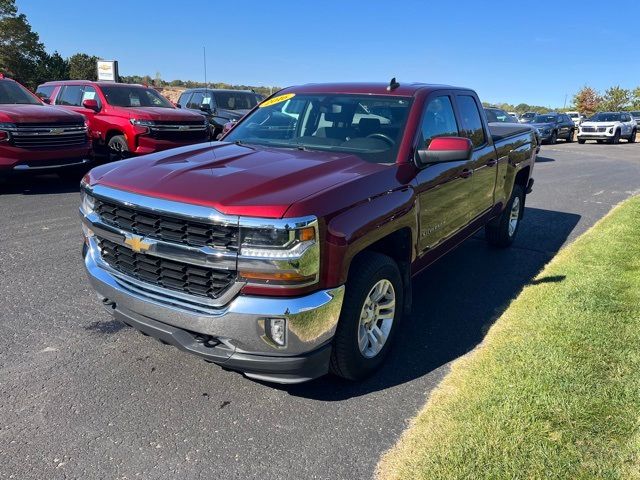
x=514 y=155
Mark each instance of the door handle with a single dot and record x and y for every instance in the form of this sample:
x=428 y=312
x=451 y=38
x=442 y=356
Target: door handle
x=466 y=173
x=492 y=162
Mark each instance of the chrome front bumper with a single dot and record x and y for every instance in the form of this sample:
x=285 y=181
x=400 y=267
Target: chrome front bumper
x=239 y=325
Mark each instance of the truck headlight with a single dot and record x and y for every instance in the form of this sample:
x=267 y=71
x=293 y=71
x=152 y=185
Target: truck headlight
x=87 y=202
x=286 y=253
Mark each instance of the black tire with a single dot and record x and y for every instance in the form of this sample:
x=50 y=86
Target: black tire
x=616 y=138
x=554 y=138
x=632 y=138
x=366 y=270
x=117 y=148
x=600 y=141
x=570 y=137
x=497 y=232
x=581 y=141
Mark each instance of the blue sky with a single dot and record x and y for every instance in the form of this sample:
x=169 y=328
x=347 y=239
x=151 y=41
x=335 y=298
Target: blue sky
x=508 y=50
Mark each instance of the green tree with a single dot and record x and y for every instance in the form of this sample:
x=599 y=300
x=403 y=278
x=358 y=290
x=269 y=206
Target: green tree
x=635 y=98
x=616 y=99
x=83 y=67
x=53 y=67
x=20 y=47
x=587 y=101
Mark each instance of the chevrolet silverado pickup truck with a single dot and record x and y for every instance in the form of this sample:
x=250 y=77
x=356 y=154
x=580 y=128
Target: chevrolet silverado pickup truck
x=35 y=137
x=126 y=120
x=286 y=250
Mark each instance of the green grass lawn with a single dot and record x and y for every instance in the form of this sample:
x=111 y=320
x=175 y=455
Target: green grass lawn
x=554 y=390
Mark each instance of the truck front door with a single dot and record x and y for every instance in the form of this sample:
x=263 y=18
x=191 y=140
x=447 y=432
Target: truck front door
x=481 y=189
x=443 y=189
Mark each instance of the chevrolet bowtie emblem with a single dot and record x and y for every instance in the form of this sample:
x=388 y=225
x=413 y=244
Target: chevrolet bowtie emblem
x=137 y=243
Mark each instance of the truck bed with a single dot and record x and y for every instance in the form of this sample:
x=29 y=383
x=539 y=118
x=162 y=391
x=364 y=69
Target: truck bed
x=501 y=131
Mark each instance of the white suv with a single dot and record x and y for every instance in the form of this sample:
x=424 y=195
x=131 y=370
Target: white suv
x=576 y=117
x=608 y=127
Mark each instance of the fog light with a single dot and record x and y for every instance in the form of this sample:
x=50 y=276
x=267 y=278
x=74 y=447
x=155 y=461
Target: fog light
x=277 y=331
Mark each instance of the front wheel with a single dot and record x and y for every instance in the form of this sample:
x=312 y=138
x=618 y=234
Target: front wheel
x=616 y=137
x=501 y=232
x=581 y=141
x=632 y=138
x=371 y=311
x=554 y=138
x=117 y=148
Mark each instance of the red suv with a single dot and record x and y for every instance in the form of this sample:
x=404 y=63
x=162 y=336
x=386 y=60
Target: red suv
x=127 y=119
x=35 y=136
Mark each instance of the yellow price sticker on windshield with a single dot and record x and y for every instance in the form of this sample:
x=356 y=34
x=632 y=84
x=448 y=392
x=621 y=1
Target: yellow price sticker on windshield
x=278 y=99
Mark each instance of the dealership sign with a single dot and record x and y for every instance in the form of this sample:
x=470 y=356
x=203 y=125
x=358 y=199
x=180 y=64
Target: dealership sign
x=108 y=70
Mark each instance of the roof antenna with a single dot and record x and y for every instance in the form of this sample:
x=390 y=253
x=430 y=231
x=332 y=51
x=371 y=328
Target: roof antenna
x=393 y=84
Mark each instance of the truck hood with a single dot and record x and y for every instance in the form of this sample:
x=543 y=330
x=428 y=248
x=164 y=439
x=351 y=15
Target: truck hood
x=233 y=179
x=156 y=113
x=17 y=113
x=541 y=125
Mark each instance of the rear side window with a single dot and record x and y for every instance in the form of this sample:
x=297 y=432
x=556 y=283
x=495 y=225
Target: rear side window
x=45 y=91
x=70 y=95
x=471 y=122
x=438 y=120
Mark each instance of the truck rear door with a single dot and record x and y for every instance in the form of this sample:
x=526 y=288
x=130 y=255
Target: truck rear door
x=484 y=157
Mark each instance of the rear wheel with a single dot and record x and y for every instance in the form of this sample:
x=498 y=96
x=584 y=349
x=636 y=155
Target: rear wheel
x=371 y=311
x=117 y=148
x=570 y=137
x=501 y=231
x=581 y=141
x=616 y=137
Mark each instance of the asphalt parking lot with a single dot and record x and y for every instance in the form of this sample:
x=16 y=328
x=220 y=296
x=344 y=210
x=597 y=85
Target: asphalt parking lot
x=83 y=397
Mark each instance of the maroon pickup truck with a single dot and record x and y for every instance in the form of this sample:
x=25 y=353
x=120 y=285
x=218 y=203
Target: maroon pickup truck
x=35 y=137
x=286 y=251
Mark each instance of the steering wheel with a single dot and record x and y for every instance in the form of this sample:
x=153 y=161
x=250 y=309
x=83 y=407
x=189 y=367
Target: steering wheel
x=382 y=136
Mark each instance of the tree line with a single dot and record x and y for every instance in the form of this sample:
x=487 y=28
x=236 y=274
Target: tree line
x=24 y=58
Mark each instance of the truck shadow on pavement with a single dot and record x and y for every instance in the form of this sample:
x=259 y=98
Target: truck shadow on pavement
x=455 y=303
x=39 y=185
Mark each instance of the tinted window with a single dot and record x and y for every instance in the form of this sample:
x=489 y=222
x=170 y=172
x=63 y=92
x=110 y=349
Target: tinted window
x=196 y=100
x=471 y=122
x=438 y=120
x=70 y=95
x=497 y=115
x=45 y=91
x=236 y=100
x=184 y=99
x=134 y=96
x=626 y=118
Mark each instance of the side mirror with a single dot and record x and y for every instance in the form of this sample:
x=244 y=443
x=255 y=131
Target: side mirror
x=91 y=104
x=178 y=105
x=46 y=100
x=444 y=149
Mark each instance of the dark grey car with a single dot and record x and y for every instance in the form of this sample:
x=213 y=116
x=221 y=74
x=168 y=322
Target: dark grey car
x=552 y=126
x=218 y=105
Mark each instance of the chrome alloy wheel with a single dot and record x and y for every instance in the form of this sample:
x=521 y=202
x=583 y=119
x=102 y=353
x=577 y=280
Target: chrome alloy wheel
x=376 y=318
x=514 y=216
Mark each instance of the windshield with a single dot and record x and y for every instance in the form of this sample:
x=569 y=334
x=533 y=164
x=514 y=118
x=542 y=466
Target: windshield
x=574 y=115
x=368 y=126
x=13 y=93
x=528 y=115
x=235 y=100
x=605 y=117
x=134 y=97
x=635 y=114
x=545 y=119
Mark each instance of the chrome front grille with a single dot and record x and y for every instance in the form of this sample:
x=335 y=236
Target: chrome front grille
x=594 y=129
x=178 y=276
x=180 y=130
x=167 y=228
x=49 y=136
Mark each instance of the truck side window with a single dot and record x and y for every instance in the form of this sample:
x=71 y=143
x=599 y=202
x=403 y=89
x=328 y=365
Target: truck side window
x=438 y=120
x=471 y=122
x=90 y=93
x=196 y=100
x=71 y=95
x=184 y=98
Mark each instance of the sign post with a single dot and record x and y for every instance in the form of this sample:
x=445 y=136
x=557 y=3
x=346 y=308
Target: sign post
x=107 y=70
